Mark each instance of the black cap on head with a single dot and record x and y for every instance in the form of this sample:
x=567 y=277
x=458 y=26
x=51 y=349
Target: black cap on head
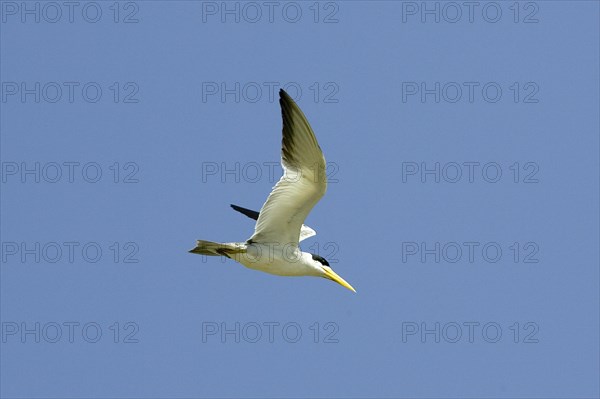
x=320 y=259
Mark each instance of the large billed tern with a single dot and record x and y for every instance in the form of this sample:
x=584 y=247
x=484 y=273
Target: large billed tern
x=274 y=246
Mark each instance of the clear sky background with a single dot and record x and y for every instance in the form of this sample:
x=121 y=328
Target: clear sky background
x=463 y=204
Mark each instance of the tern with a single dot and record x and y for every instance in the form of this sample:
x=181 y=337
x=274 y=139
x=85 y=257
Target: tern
x=274 y=246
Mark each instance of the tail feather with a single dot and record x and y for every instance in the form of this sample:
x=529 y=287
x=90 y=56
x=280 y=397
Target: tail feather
x=218 y=249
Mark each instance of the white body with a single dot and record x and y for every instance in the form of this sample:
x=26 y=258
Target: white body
x=282 y=260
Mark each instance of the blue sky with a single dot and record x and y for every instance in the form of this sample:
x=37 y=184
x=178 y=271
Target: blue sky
x=462 y=149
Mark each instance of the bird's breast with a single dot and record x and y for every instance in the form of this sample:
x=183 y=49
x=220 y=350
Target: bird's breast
x=282 y=260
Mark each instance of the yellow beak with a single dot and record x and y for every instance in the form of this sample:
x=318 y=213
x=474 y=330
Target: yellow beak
x=331 y=275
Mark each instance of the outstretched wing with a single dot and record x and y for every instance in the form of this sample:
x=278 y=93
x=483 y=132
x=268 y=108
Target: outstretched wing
x=303 y=182
x=305 y=231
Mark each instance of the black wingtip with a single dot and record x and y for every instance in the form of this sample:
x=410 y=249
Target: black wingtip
x=284 y=96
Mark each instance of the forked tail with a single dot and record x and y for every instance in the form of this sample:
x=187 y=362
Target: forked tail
x=218 y=249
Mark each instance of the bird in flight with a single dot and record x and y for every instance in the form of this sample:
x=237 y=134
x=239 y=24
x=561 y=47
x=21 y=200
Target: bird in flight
x=274 y=246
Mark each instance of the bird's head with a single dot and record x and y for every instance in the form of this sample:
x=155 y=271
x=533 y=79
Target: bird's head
x=327 y=272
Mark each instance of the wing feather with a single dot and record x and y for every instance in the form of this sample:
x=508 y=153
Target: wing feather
x=303 y=182
x=305 y=231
